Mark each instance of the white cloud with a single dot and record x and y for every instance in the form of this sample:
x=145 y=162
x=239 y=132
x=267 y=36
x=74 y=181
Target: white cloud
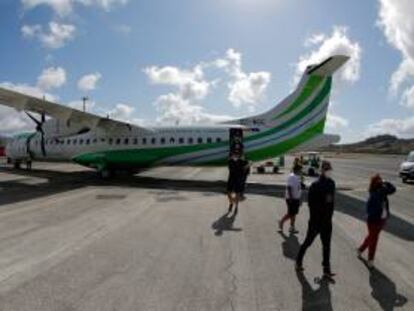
x=88 y=82
x=182 y=106
x=191 y=83
x=125 y=113
x=398 y=127
x=50 y=78
x=12 y=121
x=123 y=29
x=192 y=87
x=246 y=89
x=65 y=7
x=55 y=37
x=335 y=122
x=325 y=46
x=395 y=18
x=173 y=108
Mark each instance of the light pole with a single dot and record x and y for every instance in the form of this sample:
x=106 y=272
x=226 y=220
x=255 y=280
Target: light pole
x=84 y=99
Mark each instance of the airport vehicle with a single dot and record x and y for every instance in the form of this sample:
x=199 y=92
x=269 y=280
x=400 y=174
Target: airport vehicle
x=407 y=168
x=271 y=166
x=109 y=145
x=311 y=163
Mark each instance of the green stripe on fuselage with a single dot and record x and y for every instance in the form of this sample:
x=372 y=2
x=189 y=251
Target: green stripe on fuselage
x=311 y=85
x=139 y=157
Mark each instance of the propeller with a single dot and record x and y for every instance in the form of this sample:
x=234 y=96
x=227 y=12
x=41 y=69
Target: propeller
x=39 y=129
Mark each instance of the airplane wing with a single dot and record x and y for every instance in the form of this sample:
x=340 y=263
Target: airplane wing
x=23 y=102
x=319 y=141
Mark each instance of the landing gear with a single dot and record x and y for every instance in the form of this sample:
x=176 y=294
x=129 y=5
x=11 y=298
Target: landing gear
x=106 y=173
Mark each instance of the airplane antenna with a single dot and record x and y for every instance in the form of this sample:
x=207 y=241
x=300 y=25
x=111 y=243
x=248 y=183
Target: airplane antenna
x=84 y=99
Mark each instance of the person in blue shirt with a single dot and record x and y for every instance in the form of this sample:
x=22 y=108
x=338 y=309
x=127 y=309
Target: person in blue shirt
x=378 y=211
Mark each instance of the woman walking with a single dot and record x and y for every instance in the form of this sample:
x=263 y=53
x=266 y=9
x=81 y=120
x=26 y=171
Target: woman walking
x=235 y=181
x=378 y=212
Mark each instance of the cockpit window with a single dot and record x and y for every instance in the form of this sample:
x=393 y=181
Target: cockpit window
x=410 y=157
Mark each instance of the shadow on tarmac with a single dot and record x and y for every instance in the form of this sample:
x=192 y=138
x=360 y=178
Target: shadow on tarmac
x=384 y=290
x=57 y=182
x=290 y=245
x=225 y=223
x=318 y=299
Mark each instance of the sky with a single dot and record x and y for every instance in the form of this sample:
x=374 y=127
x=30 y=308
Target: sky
x=185 y=61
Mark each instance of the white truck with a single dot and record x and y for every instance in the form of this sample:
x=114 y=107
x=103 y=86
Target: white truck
x=407 y=168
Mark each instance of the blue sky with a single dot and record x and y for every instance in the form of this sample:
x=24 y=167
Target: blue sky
x=157 y=61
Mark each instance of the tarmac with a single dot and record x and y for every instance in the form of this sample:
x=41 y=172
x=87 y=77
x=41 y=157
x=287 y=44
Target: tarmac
x=161 y=240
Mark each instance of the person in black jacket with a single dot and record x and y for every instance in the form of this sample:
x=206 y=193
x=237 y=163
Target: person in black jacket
x=378 y=212
x=235 y=180
x=321 y=201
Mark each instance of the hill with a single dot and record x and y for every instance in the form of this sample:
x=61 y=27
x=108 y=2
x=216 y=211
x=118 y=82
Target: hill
x=382 y=144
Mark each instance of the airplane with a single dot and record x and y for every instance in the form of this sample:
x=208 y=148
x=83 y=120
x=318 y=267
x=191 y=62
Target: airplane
x=66 y=134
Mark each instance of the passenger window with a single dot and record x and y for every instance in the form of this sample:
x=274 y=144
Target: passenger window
x=162 y=141
x=218 y=140
x=88 y=141
x=103 y=140
x=172 y=140
x=111 y=141
x=135 y=141
x=95 y=141
x=75 y=141
x=200 y=140
x=190 y=140
x=80 y=141
x=209 y=140
x=153 y=141
x=118 y=141
x=126 y=141
x=181 y=140
x=144 y=141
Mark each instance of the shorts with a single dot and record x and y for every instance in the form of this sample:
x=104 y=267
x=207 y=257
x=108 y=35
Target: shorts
x=293 y=206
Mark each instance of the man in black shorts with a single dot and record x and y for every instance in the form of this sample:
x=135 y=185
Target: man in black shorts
x=293 y=198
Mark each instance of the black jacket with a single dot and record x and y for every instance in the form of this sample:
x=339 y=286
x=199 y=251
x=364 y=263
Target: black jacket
x=378 y=200
x=321 y=200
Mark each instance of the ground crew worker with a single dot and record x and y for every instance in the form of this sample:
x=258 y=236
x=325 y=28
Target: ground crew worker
x=321 y=200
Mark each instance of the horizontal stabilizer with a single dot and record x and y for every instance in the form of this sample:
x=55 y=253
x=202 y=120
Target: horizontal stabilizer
x=329 y=66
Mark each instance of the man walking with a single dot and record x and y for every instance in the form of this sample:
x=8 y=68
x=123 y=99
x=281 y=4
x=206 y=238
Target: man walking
x=321 y=200
x=293 y=197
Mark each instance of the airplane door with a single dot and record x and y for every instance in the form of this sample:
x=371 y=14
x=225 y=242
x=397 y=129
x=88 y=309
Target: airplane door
x=236 y=141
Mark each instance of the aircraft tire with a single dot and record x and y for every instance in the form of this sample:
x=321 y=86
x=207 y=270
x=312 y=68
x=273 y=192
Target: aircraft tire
x=17 y=165
x=106 y=174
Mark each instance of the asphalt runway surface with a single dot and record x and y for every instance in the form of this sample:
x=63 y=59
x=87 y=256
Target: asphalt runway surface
x=161 y=240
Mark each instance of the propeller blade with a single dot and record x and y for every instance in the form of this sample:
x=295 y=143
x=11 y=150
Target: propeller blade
x=42 y=144
x=33 y=118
